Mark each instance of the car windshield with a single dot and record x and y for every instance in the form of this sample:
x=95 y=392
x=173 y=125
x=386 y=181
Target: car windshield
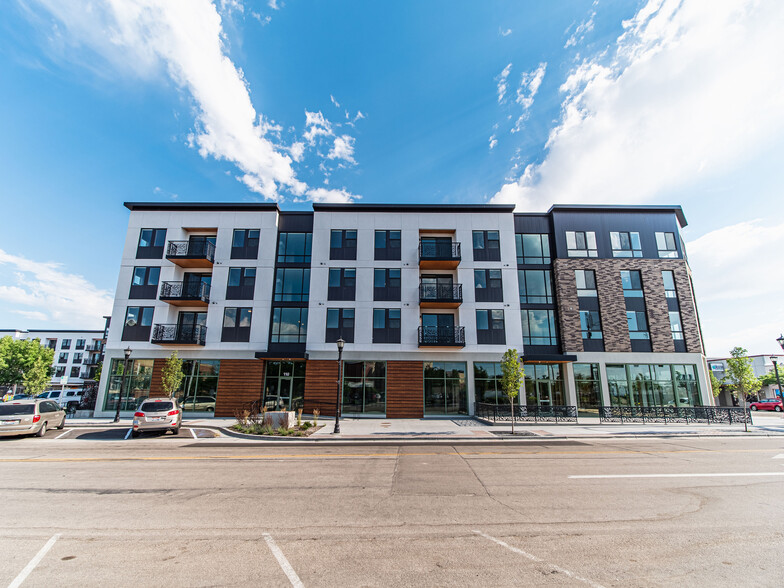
x=156 y=406
x=16 y=409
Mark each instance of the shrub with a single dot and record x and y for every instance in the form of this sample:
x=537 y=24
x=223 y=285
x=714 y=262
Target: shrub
x=316 y=413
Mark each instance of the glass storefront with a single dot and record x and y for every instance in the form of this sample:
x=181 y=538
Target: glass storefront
x=653 y=385
x=135 y=385
x=487 y=383
x=589 y=388
x=284 y=385
x=445 y=388
x=199 y=389
x=364 y=387
x=544 y=385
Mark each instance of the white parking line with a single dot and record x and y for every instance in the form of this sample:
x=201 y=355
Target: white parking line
x=128 y=434
x=779 y=456
x=726 y=475
x=539 y=560
x=283 y=562
x=193 y=433
x=63 y=434
x=34 y=562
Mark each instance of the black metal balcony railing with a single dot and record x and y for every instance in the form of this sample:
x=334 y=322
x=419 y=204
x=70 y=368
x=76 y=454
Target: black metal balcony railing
x=182 y=334
x=441 y=292
x=94 y=348
x=448 y=336
x=185 y=291
x=439 y=251
x=193 y=249
x=92 y=360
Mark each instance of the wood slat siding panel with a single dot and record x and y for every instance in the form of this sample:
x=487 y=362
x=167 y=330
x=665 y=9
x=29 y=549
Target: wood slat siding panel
x=405 y=390
x=156 y=385
x=321 y=377
x=240 y=382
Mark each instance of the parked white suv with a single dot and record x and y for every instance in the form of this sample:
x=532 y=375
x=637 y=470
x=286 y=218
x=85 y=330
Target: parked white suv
x=63 y=397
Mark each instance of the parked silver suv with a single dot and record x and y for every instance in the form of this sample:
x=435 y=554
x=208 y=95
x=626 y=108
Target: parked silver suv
x=26 y=417
x=157 y=414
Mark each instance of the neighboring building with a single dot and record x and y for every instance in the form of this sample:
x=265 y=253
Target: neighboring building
x=597 y=299
x=761 y=364
x=76 y=354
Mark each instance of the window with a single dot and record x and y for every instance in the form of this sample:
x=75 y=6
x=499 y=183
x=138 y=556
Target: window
x=581 y=244
x=59 y=372
x=676 y=326
x=292 y=284
x=138 y=323
x=445 y=388
x=589 y=388
x=386 y=284
x=151 y=242
x=199 y=389
x=490 y=328
x=51 y=343
x=134 y=384
x=586 y=282
x=486 y=246
x=638 y=325
x=632 y=283
x=653 y=385
x=236 y=324
x=65 y=344
x=535 y=286
x=487 y=383
x=539 y=327
x=669 y=284
x=340 y=323
x=241 y=284
x=289 y=325
x=75 y=371
x=343 y=244
x=144 y=283
x=77 y=358
x=625 y=244
x=63 y=358
x=364 y=387
x=544 y=385
x=386 y=325
x=666 y=244
x=245 y=244
x=590 y=325
x=387 y=245
x=488 y=286
x=80 y=343
x=342 y=284
x=284 y=385
x=294 y=247
x=532 y=248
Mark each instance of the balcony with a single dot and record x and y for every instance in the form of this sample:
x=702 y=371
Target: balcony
x=442 y=336
x=185 y=293
x=439 y=255
x=92 y=360
x=179 y=334
x=193 y=253
x=440 y=295
x=94 y=348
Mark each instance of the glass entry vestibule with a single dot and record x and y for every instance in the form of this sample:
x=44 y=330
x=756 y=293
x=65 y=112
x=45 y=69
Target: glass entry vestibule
x=544 y=385
x=284 y=385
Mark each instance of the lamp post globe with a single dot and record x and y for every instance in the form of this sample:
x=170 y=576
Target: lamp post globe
x=340 y=342
x=125 y=378
x=781 y=341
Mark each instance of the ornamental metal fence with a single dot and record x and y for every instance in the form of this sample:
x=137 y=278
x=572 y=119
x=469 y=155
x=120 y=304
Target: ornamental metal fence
x=522 y=413
x=674 y=414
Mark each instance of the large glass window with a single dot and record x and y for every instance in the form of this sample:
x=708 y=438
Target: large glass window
x=586 y=283
x=144 y=283
x=342 y=283
x=245 y=244
x=289 y=325
x=386 y=325
x=284 y=385
x=539 y=327
x=199 y=389
x=445 y=388
x=589 y=388
x=135 y=384
x=343 y=244
x=386 y=284
x=340 y=324
x=487 y=383
x=638 y=325
x=292 y=284
x=666 y=244
x=581 y=244
x=138 y=323
x=653 y=385
x=387 y=245
x=676 y=326
x=590 y=324
x=294 y=247
x=669 y=284
x=490 y=328
x=364 y=387
x=488 y=286
x=631 y=281
x=486 y=246
x=535 y=286
x=236 y=324
x=544 y=385
x=625 y=244
x=532 y=248
x=151 y=243
x=241 y=284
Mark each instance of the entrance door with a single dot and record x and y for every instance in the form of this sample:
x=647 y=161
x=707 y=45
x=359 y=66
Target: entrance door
x=437 y=287
x=543 y=392
x=277 y=395
x=438 y=329
x=188 y=324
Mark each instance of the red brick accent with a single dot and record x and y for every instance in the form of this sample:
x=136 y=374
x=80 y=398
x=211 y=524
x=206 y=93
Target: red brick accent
x=240 y=382
x=405 y=390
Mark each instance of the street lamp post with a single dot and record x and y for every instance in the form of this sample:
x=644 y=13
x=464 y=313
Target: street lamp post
x=122 y=384
x=776 y=369
x=340 y=342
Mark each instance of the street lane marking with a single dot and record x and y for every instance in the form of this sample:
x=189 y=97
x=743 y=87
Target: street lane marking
x=193 y=433
x=34 y=562
x=128 y=434
x=283 y=562
x=725 y=475
x=779 y=456
x=539 y=560
x=62 y=434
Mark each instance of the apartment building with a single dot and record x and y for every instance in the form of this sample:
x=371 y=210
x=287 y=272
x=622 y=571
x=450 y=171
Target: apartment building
x=76 y=354
x=597 y=300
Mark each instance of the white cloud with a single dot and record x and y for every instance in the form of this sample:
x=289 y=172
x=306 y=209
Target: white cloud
x=336 y=103
x=501 y=78
x=579 y=33
x=297 y=150
x=316 y=125
x=529 y=86
x=273 y=4
x=331 y=196
x=343 y=148
x=504 y=33
x=47 y=293
x=686 y=89
x=493 y=142
x=733 y=267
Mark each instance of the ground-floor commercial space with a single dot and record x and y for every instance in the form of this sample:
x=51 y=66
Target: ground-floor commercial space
x=434 y=386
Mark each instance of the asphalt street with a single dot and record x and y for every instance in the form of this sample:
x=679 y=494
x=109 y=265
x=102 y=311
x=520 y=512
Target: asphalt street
x=197 y=511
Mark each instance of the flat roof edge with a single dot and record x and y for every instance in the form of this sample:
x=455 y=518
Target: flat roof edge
x=676 y=208
x=202 y=206
x=414 y=207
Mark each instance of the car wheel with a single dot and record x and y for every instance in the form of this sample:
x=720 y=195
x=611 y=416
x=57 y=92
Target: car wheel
x=135 y=434
x=42 y=431
x=211 y=409
x=176 y=430
x=777 y=409
x=753 y=407
x=62 y=423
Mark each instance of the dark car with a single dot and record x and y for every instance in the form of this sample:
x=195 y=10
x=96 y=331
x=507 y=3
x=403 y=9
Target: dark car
x=767 y=404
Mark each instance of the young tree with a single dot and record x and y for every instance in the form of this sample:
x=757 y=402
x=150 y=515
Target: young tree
x=171 y=374
x=740 y=377
x=25 y=361
x=715 y=384
x=39 y=373
x=512 y=375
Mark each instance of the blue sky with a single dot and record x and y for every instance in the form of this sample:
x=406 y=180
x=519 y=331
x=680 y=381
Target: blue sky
x=529 y=102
